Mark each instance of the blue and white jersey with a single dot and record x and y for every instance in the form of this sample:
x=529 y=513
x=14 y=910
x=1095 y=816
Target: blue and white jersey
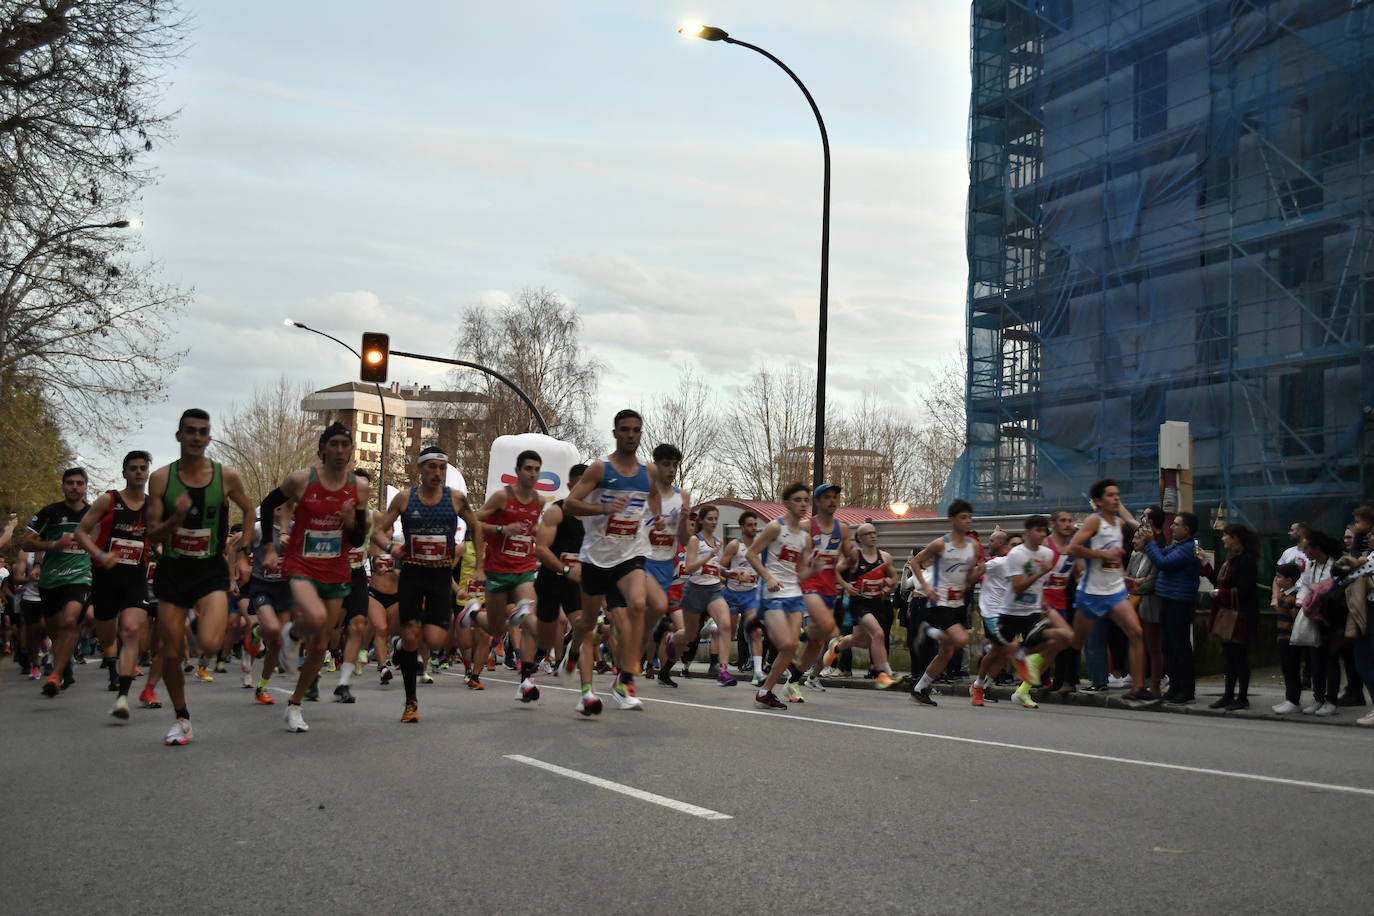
x=783 y=556
x=1103 y=577
x=661 y=543
x=609 y=540
x=951 y=571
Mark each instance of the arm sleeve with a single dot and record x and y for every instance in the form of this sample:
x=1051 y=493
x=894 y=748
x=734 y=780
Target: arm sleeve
x=358 y=533
x=267 y=513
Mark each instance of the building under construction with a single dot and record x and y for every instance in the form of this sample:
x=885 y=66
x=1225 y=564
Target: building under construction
x=1168 y=219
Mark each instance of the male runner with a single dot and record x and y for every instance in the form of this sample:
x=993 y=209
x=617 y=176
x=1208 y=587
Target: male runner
x=613 y=496
x=957 y=562
x=867 y=578
x=269 y=598
x=188 y=509
x=664 y=534
x=429 y=513
x=830 y=541
x=510 y=521
x=993 y=590
x=558 y=595
x=742 y=589
x=356 y=606
x=1055 y=598
x=65 y=581
x=119 y=552
x=782 y=569
x=329 y=511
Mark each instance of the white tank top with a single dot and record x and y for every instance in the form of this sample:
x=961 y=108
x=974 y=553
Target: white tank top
x=709 y=574
x=1103 y=577
x=781 y=559
x=951 y=570
x=609 y=540
x=747 y=580
x=1022 y=561
x=661 y=543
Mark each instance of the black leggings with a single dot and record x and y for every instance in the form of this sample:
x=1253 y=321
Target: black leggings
x=1237 y=658
x=1176 y=630
x=1290 y=660
x=1326 y=675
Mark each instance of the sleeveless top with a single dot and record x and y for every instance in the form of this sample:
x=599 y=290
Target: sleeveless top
x=609 y=540
x=709 y=573
x=661 y=544
x=429 y=530
x=869 y=577
x=203 y=531
x=259 y=549
x=123 y=534
x=316 y=547
x=749 y=580
x=1103 y=577
x=1056 y=591
x=826 y=553
x=514 y=552
x=567 y=538
x=781 y=559
x=951 y=570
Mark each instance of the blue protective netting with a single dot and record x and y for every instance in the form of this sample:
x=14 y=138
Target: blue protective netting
x=1168 y=221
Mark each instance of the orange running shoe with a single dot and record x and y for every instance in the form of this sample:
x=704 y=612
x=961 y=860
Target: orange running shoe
x=412 y=711
x=475 y=684
x=884 y=681
x=52 y=685
x=263 y=698
x=148 y=698
x=976 y=696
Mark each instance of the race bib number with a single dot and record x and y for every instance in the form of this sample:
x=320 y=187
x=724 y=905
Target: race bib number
x=518 y=545
x=73 y=547
x=1057 y=582
x=826 y=561
x=1111 y=564
x=954 y=594
x=871 y=588
x=192 y=542
x=1027 y=598
x=383 y=563
x=622 y=525
x=746 y=577
x=711 y=568
x=662 y=538
x=428 y=547
x=789 y=555
x=322 y=545
x=570 y=559
x=356 y=556
x=126 y=552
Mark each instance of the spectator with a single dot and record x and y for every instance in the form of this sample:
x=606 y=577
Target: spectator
x=1293 y=554
x=1140 y=582
x=1362 y=612
x=1322 y=551
x=1283 y=599
x=1357 y=538
x=1180 y=571
x=1236 y=590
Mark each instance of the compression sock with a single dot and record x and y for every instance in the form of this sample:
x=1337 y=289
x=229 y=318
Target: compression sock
x=796 y=673
x=124 y=681
x=586 y=689
x=408 y=662
x=715 y=659
x=527 y=669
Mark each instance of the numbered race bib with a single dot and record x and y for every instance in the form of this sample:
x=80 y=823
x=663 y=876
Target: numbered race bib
x=663 y=538
x=746 y=578
x=826 y=561
x=383 y=563
x=192 y=542
x=711 y=568
x=518 y=545
x=428 y=547
x=789 y=555
x=356 y=557
x=871 y=588
x=954 y=594
x=1057 y=581
x=322 y=545
x=1111 y=564
x=74 y=547
x=622 y=525
x=570 y=559
x=1026 y=598
x=126 y=552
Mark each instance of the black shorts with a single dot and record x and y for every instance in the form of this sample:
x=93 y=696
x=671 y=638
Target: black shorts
x=554 y=593
x=274 y=593
x=942 y=618
x=31 y=612
x=183 y=581
x=425 y=594
x=385 y=599
x=355 y=605
x=115 y=589
x=858 y=607
x=53 y=600
x=598 y=580
x=1011 y=627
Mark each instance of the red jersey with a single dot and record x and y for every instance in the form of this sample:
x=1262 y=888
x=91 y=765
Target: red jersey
x=825 y=552
x=512 y=550
x=316 y=547
x=1056 y=594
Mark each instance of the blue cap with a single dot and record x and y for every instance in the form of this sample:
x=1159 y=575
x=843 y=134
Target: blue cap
x=816 y=493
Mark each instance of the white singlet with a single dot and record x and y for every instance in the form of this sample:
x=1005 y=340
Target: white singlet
x=609 y=540
x=1022 y=561
x=951 y=571
x=1103 y=577
x=661 y=543
x=709 y=556
x=782 y=557
x=747 y=580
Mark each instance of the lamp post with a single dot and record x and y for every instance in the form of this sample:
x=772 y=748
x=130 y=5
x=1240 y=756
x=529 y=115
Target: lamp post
x=710 y=33
x=381 y=468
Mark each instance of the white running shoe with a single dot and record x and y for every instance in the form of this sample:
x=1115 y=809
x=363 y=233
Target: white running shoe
x=625 y=699
x=527 y=692
x=1117 y=683
x=546 y=667
x=1366 y=720
x=1326 y=709
x=831 y=671
x=465 y=618
x=295 y=722
x=589 y=704
x=1286 y=708
x=121 y=708
x=179 y=734
x=813 y=683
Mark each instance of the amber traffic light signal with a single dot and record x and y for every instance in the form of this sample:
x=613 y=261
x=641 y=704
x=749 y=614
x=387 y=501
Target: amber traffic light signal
x=376 y=349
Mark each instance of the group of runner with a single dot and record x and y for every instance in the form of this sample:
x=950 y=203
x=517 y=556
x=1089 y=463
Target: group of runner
x=623 y=561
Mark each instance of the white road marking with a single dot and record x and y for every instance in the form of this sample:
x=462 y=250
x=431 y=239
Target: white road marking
x=640 y=794
x=1006 y=745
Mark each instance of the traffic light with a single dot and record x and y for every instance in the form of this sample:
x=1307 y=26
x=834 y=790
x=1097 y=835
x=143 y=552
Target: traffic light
x=376 y=348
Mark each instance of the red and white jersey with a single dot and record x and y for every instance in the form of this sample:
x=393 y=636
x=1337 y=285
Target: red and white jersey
x=1056 y=591
x=316 y=549
x=825 y=547
x=512 y=550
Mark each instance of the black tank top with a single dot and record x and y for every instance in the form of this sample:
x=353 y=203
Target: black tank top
x=568 y=536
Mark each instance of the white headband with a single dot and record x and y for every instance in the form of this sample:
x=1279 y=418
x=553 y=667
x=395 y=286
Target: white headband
x=433 y=456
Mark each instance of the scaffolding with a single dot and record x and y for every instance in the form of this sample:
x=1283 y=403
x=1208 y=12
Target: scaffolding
x=1168 y=219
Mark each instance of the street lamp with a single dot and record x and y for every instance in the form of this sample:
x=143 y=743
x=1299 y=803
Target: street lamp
x=900 y=508
x=381 y=472
x=711 y=33
x=70 y=230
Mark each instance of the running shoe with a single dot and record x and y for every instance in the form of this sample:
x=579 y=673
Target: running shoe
x=725 y=678
x=527 y=692
x=412 y=711
x=832 y=652
x=386 y=675
x=148 y=698
x=884 y=681
x=221 y=666
x=766 y=698
x=52 y=686
x=813 y=683
x=35 y=673
x=1285 y=708
x=1028 y=668
x=975 y=696
x=329 y=665
x=343 y=695
x=666 y=680
x=295 y=722
x=794 y=694
x=831 y=671
x=589 y=704
x=263 y=698
x=758 y=679
x=1021 y=696
x=252 y=641
x=469 y=612
x=625 y=696
x=518 y=613
x=360 y=662
x=711 y=670
x=426 y=678
x=546 y=667
x=179 y=734
x=67 y=678
x=188 y=666
x=248 y=678
x=121 y=708
x=475 y=684
x=923 y=697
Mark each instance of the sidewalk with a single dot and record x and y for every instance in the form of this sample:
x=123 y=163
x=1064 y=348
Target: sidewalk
x=1266 y=690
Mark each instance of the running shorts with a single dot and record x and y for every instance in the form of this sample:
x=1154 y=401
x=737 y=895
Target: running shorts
x=695 y=598
x=1097 y=606
x=275 y=594
x=1016 y=626
x=53 y=600
x=328 y=591
x=742 y=602
x=385 y=599
x=662 y=572
x=942 y=617
x=31 y=612
x=183 y=581
x=859 y=607
x=828 y=599
x=554 y=594
x=355 y=603
x=115 y=589
x=795 y=604
x=599 y=580
x=498 y=582
x=425 y=595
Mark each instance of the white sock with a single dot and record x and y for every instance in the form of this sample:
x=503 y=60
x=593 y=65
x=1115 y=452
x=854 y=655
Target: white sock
x=887 y=669
x=933 y=633
x=924 y=682
x=758 y=664
x=978 y=681
x=345 y=675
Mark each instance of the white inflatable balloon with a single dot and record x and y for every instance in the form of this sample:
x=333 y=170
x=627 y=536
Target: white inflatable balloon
x=557 y=459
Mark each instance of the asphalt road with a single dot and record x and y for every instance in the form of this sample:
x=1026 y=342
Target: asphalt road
x=852 y=802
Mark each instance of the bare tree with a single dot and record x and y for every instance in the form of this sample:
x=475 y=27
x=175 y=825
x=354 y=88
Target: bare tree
x=940 y=439
x=870 y=450
x=689 y=418
x=269 y=437
x=772 y=413
x=534 y=341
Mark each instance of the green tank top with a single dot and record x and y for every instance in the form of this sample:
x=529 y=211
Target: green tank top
x=204 y=530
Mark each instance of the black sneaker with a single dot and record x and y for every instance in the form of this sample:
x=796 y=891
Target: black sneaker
x=768 y=700
x=1221 y=703
x=1182 y=701
x=313 y=694
x=712 y=672
x=343 y=695
x=666 y=680
x=1238 y=704
x=1095 y=688
x=1142 y=699
x=68 y=678
x=923 y=697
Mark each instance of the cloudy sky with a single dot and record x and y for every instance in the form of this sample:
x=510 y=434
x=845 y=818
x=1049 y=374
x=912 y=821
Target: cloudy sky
x=360 y=167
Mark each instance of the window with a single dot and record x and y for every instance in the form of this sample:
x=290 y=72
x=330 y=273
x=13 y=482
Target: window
x=1151 y=95
x=1301 y=261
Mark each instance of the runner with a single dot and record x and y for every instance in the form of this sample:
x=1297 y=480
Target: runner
x=993 y=590
x=429 y=513
x=510 y=521
x=742 y=590
x=867 y=579
x=269 y=598
x=782 y=570
x=29 y=573
x=613 y=496
x=704 y=593
x=119 y=552
x=148 y=639
x=329 y=510
x=356 y=606
x=830 y=541
x=187 y=509
x=558 y=595
x=957 y=562
x=381 y=606
x=64 y=584
x=1056 y=598
x=664 y=535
